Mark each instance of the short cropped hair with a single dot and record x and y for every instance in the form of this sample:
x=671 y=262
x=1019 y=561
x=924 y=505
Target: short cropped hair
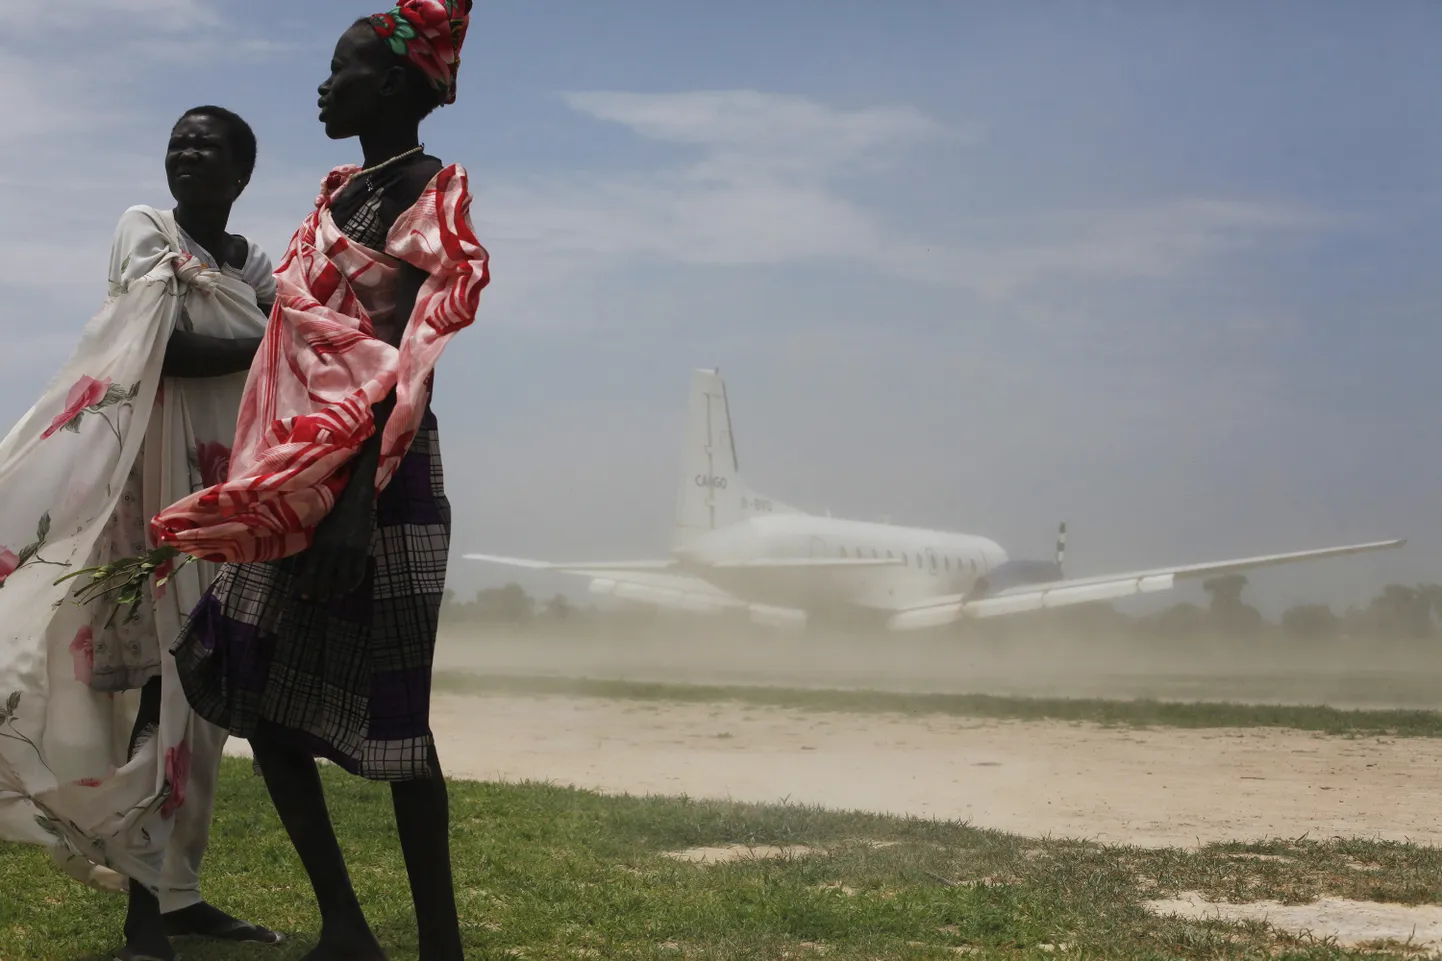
x=237 y=132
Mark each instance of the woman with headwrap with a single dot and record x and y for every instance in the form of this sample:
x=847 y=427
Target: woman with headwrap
x=142 y=413
x=317 y=637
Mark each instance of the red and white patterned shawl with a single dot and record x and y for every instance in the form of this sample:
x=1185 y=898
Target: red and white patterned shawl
x=307 y=404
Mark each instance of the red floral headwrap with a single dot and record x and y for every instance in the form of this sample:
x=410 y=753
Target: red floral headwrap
x=429 y=34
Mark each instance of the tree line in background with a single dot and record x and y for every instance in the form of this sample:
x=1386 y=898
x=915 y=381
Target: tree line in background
x=1399 y=612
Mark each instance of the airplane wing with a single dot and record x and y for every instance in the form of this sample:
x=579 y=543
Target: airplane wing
x=755 y=563
x=650 y=582
x=597 y=566
x=802 y=563
x=1081 y=590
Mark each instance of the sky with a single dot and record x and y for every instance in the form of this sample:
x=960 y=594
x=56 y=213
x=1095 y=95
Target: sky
x=1169 y=272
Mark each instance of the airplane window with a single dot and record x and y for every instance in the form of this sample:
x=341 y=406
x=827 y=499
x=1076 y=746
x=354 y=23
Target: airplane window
x=874 y=555
x=888 y=556
x=948 y=564
x=973 y=565
x=904 y=560
x=843 y=552
x=933 y=563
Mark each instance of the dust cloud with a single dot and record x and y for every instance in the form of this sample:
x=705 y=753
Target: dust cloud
x=1343 y=673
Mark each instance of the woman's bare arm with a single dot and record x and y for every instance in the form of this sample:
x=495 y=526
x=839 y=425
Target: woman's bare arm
x=188 y=354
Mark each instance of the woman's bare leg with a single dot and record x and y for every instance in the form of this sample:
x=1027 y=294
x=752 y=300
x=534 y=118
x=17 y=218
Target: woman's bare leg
x=144 y=931
x=294 y=783
x=423 y=821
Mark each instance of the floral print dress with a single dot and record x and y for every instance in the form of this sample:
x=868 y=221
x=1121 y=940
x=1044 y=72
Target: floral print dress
x=126 y=653
x=105 y=444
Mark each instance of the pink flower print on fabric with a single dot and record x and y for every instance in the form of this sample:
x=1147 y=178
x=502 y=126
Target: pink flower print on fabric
x=82 y=653
x=177 y=774
x=86 y=392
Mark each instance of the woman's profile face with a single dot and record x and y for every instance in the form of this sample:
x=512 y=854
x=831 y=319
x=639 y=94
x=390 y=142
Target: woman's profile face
x=360 y=71
x=200 y=165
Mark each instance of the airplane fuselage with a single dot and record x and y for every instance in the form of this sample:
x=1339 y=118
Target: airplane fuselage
x=925 y=563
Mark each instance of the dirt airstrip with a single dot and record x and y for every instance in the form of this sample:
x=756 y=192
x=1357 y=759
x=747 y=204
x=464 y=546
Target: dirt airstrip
x=1157 y=787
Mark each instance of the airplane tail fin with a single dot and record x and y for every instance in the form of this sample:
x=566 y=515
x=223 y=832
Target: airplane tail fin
x=712 y=493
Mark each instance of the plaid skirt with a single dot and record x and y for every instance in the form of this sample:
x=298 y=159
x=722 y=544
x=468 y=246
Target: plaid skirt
x=348 y=680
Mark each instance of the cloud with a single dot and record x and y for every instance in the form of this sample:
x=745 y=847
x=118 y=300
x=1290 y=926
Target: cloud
x=1153 y=242
x=762 y=179
x=755 y=187
x=736 y=178
x=163 y=15
x=79 y=145
x=42 y=105
x=747 y=134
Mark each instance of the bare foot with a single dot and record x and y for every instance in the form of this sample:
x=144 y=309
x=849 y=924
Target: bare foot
x=205 y=921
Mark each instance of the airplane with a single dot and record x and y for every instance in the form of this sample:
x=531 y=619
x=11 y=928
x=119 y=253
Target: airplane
x=736 y=550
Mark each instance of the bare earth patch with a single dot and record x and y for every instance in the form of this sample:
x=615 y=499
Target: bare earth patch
x=1351 y=923
x=738 y=852
x=724 y=854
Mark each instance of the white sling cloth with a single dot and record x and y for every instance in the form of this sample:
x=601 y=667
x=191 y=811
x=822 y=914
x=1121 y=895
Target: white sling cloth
x=107 y=446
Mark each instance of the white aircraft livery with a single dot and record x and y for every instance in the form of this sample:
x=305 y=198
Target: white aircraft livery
x=736 y=550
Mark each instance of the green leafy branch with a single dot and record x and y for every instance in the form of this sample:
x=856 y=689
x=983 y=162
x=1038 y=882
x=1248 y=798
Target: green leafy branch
x=124 y=580
x=30 y=553
x=8 y=713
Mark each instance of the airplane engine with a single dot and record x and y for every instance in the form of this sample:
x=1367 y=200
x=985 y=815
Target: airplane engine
x=662 y=597
x=782 y=617
x=1016 y=573
x=677 y=600
x=1020 y=573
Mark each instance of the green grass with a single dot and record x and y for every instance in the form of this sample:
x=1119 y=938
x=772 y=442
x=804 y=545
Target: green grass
x=1136 y=713
x=544 y=872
